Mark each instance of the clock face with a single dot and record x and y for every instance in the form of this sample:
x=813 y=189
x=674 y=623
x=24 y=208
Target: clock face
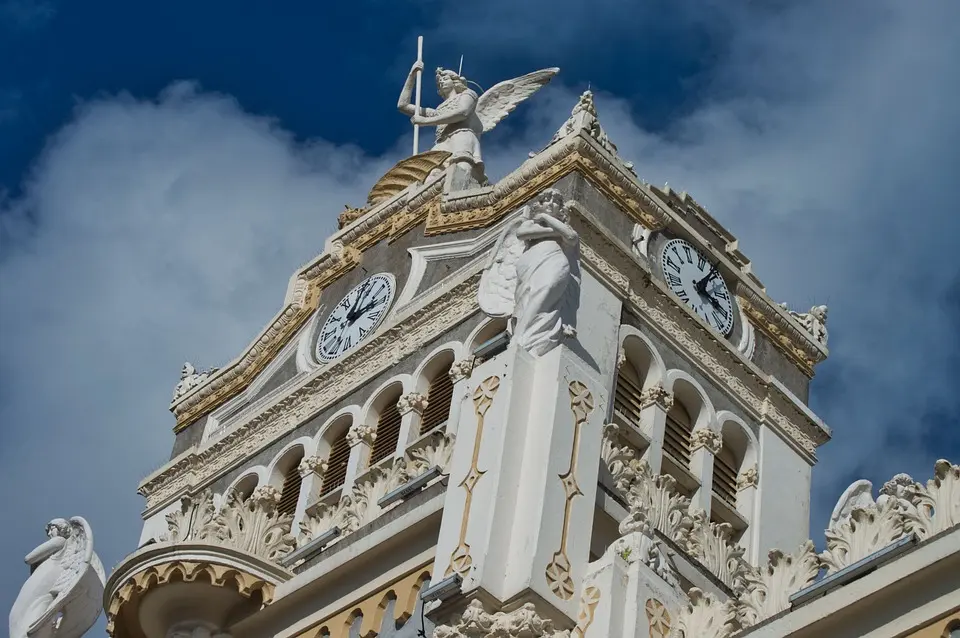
x=356 y=316
x=696 y=281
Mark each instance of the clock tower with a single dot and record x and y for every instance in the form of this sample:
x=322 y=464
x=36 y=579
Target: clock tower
x=559 y=402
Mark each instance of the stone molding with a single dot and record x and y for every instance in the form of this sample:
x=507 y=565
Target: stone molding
x=706 y=438
x=412 y=402
x=783 y=330
x=360 y=506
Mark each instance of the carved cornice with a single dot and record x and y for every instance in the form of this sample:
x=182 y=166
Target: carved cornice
x=475 y=621
x=197 y=468
x=782 y=330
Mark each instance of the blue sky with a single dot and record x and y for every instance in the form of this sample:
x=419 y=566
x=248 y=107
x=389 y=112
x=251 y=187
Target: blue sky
x=164 y=171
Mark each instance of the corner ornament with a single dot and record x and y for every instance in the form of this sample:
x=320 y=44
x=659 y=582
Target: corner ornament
x=63 y=596
x=533 y=275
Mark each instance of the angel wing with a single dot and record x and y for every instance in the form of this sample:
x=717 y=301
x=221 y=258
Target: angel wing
x=859 y=494
x=79 y=587
x=498 y=283
x=501 y=99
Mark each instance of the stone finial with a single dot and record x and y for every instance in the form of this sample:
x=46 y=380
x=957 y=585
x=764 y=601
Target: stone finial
x=706 y=438
x=360 y=433
x=412 y=402
x=312 y=465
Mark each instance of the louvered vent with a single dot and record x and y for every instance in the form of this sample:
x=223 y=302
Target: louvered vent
x=290 y=491
x=627 y=397
x=676 y=440
x=388 y=432
x=725 y=477
x=336 y=464
x=439 y=397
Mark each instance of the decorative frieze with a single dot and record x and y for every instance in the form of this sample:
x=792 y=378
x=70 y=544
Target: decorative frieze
x=706 y=438
x=412 y=402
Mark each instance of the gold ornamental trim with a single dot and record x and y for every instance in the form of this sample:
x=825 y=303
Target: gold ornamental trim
x=779 y=337
x=184 y=571
x=373 y=608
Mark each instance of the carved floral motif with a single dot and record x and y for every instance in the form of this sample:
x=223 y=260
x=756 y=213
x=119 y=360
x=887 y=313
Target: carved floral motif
x=360 y=433
x=475 y=622
x=749 y=477
x=706 y=438
x=713 y=546
x=656 y=395
x=654 y=500
x=412 y=402
x=864 y=531
x=312 y=465
x=461 y=369
x=359 y=507
x=706 y=617
x=767 y=591
x=618 y=457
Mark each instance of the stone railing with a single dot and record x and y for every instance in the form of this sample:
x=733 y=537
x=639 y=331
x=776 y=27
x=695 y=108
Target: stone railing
x=859 y=527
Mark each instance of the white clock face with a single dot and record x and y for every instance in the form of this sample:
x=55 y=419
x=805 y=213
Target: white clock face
x=696 y=281
x=356 y=316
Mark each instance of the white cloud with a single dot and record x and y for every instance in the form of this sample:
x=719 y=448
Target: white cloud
x=153 y=232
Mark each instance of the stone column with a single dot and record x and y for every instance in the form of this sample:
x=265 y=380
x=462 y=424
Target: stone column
x=460 y=371
x=704 y=445
x=748 y=482
x=656 y=403
x=311 y=469
x=411 y=406
x=360 y=438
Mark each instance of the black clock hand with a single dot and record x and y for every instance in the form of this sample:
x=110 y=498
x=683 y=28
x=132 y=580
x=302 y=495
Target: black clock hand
x=701 y=285
x=352 y=315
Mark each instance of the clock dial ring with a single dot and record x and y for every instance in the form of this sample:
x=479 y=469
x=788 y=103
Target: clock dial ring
x=697 y=282
x=355 y=317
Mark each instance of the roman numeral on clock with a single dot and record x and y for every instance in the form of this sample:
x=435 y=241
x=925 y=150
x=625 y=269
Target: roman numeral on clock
x=673 y=280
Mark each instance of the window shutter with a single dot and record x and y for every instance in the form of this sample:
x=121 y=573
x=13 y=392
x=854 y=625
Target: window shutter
x=290 y=492
x=725 y=476
x=626 y=399
x=676 y=440
x=439 y=397
x=336 y=474
x=388 y=432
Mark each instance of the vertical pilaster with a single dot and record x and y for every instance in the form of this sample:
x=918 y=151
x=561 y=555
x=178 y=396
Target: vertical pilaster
x=360 y=438
x=704 y=445
x=411 y=406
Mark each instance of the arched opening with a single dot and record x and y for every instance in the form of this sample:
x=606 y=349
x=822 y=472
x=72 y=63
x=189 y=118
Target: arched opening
x=388 y=425
x=493 y=328
x=245 y=486
x=439 y=395
x=338 y=458
x=627 y=402
x=288 y=467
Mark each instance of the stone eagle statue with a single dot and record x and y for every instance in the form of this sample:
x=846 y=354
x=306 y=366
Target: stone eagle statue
x=533 y=275
x=63 y=595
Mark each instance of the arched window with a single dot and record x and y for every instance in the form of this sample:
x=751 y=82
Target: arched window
x=676 y=440
x=336 y=474
x=388 y=429
x=439 y=397
x=626 y=399
x=290 y=492
x=725 y=475
x=245 y=486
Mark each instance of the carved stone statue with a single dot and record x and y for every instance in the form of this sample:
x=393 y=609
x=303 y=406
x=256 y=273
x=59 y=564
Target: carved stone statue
x=533 y=275
x=814 y=322
x=463 y=117
x=190 y=379
x=858 y=496
x=63 y=595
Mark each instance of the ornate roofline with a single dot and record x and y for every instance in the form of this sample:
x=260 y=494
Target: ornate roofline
x=447 y=213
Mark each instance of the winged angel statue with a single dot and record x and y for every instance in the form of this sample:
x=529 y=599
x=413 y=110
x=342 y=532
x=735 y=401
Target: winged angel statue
x=462 y=116
x=533 y=275
x=62 y=597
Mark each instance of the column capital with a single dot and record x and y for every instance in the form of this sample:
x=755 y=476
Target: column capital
x=360 y=433
x=412 y=402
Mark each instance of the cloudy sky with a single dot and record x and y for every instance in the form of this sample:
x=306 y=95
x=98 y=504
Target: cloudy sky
x=163 y=172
